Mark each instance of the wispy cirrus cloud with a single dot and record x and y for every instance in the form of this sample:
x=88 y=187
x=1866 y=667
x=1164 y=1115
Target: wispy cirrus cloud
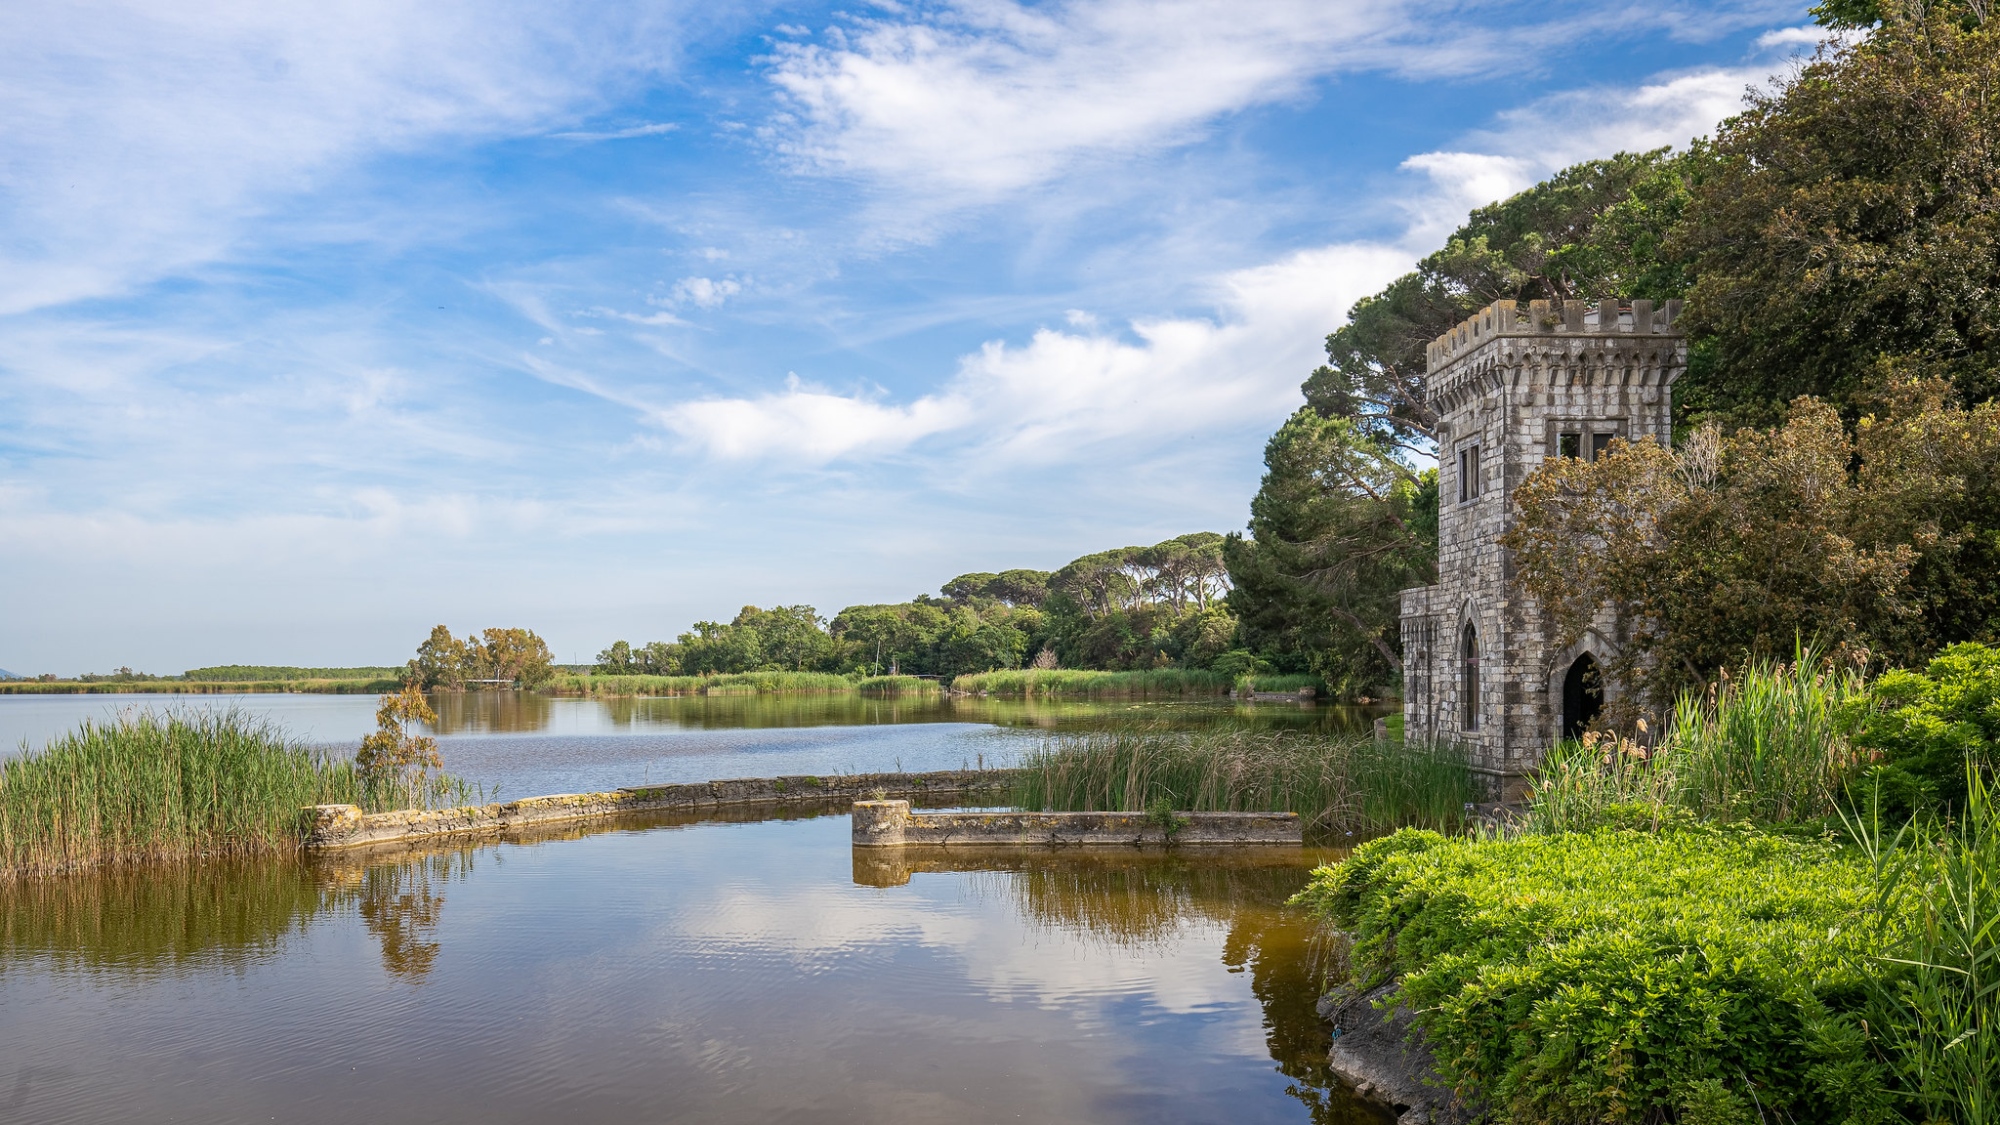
x=140 y=139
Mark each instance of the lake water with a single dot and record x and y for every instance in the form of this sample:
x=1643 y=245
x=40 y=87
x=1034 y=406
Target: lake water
x=519 y=744
x=670 y=970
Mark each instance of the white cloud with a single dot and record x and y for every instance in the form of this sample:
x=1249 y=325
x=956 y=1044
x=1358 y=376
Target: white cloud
x=706 y=293
x=1065 y=391
x=653 y=130
x=1528 y=143
x=137 y=139
x=985 y=98
x=968 y=101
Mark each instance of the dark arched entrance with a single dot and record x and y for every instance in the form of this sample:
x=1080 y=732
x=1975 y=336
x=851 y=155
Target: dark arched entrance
x=1583 y=695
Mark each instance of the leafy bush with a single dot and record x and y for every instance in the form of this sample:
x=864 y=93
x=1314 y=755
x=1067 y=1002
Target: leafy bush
x=1623 y=976
x=1923 y=727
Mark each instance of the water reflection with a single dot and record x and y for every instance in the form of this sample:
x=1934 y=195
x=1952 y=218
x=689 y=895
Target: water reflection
x=718 y=968
x=1140 y=899
x=508 y=712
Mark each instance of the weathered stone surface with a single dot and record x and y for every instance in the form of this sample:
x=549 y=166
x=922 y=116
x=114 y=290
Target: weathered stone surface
x=890 y=823
x=341 y=826
x=1385 y=1059
x=1509 y=383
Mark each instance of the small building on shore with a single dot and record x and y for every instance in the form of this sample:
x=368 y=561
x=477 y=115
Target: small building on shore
x=1513 y=386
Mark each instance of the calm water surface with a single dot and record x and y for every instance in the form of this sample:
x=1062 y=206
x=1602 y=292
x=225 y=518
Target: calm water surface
x=524 y=744
x=669 y=971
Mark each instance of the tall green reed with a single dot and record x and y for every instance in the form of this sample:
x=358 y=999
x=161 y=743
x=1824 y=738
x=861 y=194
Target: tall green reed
x=1335 y=783
x=1768 y=745
x=1935 y=988
x=154 y=787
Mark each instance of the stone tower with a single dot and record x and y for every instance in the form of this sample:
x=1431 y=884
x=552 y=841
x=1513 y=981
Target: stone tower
x=1510 y=388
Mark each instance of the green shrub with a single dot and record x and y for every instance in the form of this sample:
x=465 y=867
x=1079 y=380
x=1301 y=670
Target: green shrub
x=1924 y=726
x=1625 y=976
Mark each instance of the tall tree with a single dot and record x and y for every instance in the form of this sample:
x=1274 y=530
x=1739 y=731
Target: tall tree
x=1339 y=526
x=1851 y=215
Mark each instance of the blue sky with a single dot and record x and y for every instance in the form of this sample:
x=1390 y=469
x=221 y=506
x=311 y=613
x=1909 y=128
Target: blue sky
x=322 y=323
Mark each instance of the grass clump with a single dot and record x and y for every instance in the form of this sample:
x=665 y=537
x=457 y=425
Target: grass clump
x=1029 y=682
x=1700 y=974
x=152 y=787
x=1335 y=783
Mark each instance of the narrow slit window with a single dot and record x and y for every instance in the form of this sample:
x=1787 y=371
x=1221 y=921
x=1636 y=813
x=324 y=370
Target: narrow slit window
x=1599 y=443
x=1468 y=474
x=1468 y=685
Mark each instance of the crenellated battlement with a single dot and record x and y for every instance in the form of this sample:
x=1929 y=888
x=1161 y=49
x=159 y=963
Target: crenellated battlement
x=1552 y=318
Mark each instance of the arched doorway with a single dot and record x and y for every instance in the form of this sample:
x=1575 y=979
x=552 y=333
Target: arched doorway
x=1583 y=695
x=1468 y=678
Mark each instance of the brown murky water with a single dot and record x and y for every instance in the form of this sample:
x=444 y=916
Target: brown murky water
x=712 y=971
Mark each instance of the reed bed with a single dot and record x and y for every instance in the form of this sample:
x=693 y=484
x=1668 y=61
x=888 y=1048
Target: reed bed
x=162 y=787
x=1767 y=746
x=899 y=685
x=1029 y=682
x=1337 y=784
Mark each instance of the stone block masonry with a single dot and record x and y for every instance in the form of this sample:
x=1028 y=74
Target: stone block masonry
x=346 y=826
x=888 y=824
x=1514 y=387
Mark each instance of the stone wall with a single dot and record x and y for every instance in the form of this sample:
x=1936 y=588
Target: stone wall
x=1507 y=384
x=880 y=824
x=345 y=826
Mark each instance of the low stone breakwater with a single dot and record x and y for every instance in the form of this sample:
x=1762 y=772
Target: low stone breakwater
x=346 y=826
x=890 y=823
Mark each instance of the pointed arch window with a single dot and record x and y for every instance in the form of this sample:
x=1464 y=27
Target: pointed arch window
x=1468 y=678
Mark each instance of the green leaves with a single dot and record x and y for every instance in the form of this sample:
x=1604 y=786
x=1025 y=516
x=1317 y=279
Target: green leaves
x=1623 y=976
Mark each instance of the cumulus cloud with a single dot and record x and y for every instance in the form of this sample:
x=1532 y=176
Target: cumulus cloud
x=1066 y=391
x=705 y=292
x=1526 y=144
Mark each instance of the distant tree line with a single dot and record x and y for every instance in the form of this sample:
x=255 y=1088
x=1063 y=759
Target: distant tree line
x=1161 y=606
x=1838 y=479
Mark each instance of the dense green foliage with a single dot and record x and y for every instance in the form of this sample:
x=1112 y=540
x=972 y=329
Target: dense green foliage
x=1877 y=540
x=162 y=787
x=1924 y=727
x=1339 y=527
x=1850 y=222
x=1129 y=608
x=496 y=657
x=1336 y=783
x=1622 y=976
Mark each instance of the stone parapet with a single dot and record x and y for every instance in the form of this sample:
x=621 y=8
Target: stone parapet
x=892 y=824
x=346 y=826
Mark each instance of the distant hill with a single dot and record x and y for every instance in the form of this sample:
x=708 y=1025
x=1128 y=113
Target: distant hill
x=248 y=673
x=6 y=675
